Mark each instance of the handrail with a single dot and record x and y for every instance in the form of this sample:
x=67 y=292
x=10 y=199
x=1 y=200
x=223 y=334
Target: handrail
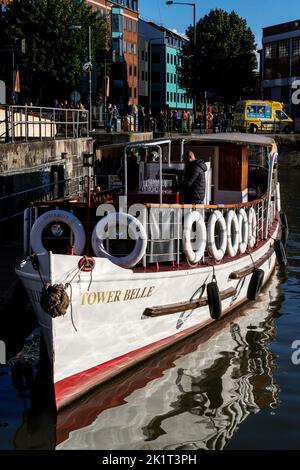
x=209 y=206
x=32 y=122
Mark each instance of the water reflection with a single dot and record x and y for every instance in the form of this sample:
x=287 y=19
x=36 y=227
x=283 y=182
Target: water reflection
x=194 y=396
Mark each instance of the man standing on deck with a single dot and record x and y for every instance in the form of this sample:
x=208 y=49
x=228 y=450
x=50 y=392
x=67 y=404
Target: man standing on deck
x=194 y=179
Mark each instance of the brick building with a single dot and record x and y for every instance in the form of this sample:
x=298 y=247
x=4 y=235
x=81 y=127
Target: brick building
x=123 y=18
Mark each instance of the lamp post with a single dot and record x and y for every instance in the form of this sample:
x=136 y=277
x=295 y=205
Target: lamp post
x=87 y=67
x=170 y=2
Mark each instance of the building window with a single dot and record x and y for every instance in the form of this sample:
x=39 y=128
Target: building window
x=168 y=96
x=146 y=56
x=129 y=25
x=146 y=76
x=125 y=46
x=117 y=23
x=125 y=23
x=130 y=92
x=168 y=58
x=168 y=77
x=135 y=92
x=134 y=48
x=130 y=70
x=130 y=48
x=135 y=70
x=143 y=75
x=134 y=26
x=143 y=55
x=156 y=58
x=283 y=48
x=155 y=77
x=171 y=57
x=156 y=96
x=270 y=50
x=296 y=46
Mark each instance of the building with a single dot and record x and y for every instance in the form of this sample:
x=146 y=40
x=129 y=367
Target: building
x=280 y=63
x=164 y=55
x=143 y=51
x=123 y=18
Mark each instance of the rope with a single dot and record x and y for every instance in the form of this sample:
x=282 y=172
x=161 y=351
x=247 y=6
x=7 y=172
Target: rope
x=71 y=305
x=214 y=275
x=249 y=253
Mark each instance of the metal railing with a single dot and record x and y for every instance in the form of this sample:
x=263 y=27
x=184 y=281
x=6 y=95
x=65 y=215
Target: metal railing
x=24 y=123
x=164 y=226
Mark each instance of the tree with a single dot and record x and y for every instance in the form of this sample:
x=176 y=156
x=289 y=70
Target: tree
x=52 y=64
x=224 y=61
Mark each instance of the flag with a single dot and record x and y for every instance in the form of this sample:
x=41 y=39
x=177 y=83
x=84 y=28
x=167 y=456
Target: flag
x=17 y=87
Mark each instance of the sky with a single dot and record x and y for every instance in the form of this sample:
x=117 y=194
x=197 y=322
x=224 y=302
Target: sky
x=258 y=13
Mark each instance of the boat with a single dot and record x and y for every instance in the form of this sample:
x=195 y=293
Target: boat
x=127 y=272
x=195 y=397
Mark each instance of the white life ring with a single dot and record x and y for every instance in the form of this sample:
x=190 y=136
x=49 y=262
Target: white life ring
x=57 y=216
x=194 y=253
x=244 y=230
x=217 y=218
x=252 y=227
x=129 y=224
x=233 y=233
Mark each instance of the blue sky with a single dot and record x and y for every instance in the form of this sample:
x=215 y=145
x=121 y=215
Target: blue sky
x=258 y=13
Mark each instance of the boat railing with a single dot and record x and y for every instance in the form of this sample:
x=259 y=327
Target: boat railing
x=165 y=223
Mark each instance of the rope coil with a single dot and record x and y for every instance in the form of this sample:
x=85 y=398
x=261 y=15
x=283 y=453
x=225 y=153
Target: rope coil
x=55 y=300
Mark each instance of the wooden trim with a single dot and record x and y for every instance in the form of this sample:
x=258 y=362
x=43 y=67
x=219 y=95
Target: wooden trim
x=249 y=269
x=184 y=306
x=200 y=206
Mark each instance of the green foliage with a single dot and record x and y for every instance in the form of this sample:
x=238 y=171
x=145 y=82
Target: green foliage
x=52 y=64
x=224 y=59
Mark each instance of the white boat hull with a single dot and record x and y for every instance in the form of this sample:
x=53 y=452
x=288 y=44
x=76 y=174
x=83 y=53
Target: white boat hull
x=106 y=331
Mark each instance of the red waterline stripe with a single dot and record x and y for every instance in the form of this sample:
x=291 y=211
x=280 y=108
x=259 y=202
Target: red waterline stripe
x=71 y=388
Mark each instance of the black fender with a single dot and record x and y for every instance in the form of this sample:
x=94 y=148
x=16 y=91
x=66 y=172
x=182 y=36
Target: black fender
x=255 y=284
x=280 y=253
x=214 y=300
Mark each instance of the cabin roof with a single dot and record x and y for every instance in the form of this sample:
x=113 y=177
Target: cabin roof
x=234 y=138
x=218 y=138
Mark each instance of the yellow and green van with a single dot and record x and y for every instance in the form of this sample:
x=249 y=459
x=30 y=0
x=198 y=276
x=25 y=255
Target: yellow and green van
x=264 y=116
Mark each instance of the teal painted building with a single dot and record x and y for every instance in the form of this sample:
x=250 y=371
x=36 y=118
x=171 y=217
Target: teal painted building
x=164 y=49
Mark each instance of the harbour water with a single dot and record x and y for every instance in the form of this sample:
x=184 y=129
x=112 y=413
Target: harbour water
x=234 y=386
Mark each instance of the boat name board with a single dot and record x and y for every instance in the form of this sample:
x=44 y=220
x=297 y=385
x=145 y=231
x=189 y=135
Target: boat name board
x=107 y=297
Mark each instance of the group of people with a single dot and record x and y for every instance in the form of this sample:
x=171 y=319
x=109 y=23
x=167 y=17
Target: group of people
x=68 y=105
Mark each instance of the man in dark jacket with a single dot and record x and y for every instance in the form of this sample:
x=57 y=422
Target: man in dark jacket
x=194 y=179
